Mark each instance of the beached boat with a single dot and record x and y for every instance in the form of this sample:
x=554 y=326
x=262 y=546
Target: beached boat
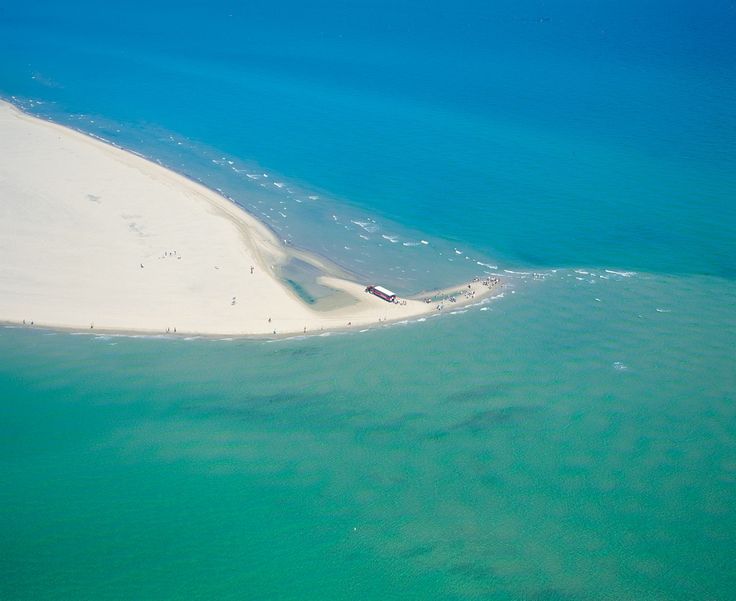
x=381 y=292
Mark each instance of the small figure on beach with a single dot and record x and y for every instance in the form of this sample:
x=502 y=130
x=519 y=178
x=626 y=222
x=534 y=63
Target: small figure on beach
x=141 y=265
x=251 y=269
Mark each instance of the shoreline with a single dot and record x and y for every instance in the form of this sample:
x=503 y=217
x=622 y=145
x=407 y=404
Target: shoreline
x=138 y=248
x=498 y=289
x=181 y=335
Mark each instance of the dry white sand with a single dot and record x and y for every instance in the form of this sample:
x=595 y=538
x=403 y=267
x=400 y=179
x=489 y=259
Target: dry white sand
x=91 y=235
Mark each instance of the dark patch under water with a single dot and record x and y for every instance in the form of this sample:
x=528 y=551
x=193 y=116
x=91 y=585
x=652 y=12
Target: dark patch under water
x=551 y=594
x=489 y=418
x=483 y=392
x=473 y=571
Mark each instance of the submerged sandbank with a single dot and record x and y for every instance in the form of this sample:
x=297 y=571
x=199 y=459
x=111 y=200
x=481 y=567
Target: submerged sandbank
x=92 y=236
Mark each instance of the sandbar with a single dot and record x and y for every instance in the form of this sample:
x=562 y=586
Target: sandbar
x=93 y=237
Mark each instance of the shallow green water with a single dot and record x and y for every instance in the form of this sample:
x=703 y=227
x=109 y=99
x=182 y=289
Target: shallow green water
x=553 y=446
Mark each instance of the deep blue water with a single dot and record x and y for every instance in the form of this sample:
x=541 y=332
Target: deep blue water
x=539 y=133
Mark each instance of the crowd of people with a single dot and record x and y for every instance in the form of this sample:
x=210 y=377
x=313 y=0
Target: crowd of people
x=468 y=293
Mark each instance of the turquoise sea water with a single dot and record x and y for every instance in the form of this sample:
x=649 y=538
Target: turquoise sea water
x=575 y=439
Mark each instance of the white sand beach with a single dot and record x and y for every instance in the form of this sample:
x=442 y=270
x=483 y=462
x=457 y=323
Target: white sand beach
x=92 y=236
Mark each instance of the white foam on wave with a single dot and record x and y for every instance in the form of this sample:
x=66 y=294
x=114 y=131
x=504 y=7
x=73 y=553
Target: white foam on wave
x=410 y=243
x=364 y=237
x=424 y=242
x=482 y=264
x=279 y=184
x=664 y=310
x=392 y=239
x=517 y=272
x=366 y=225
x=582 y=272
x=313 y=197
x=620 y=366
x=150 y=336
x=485 y=308
x=623 y=274
x=458 y=252
x=252 y=176
x=99 y=137
x=422 y=319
